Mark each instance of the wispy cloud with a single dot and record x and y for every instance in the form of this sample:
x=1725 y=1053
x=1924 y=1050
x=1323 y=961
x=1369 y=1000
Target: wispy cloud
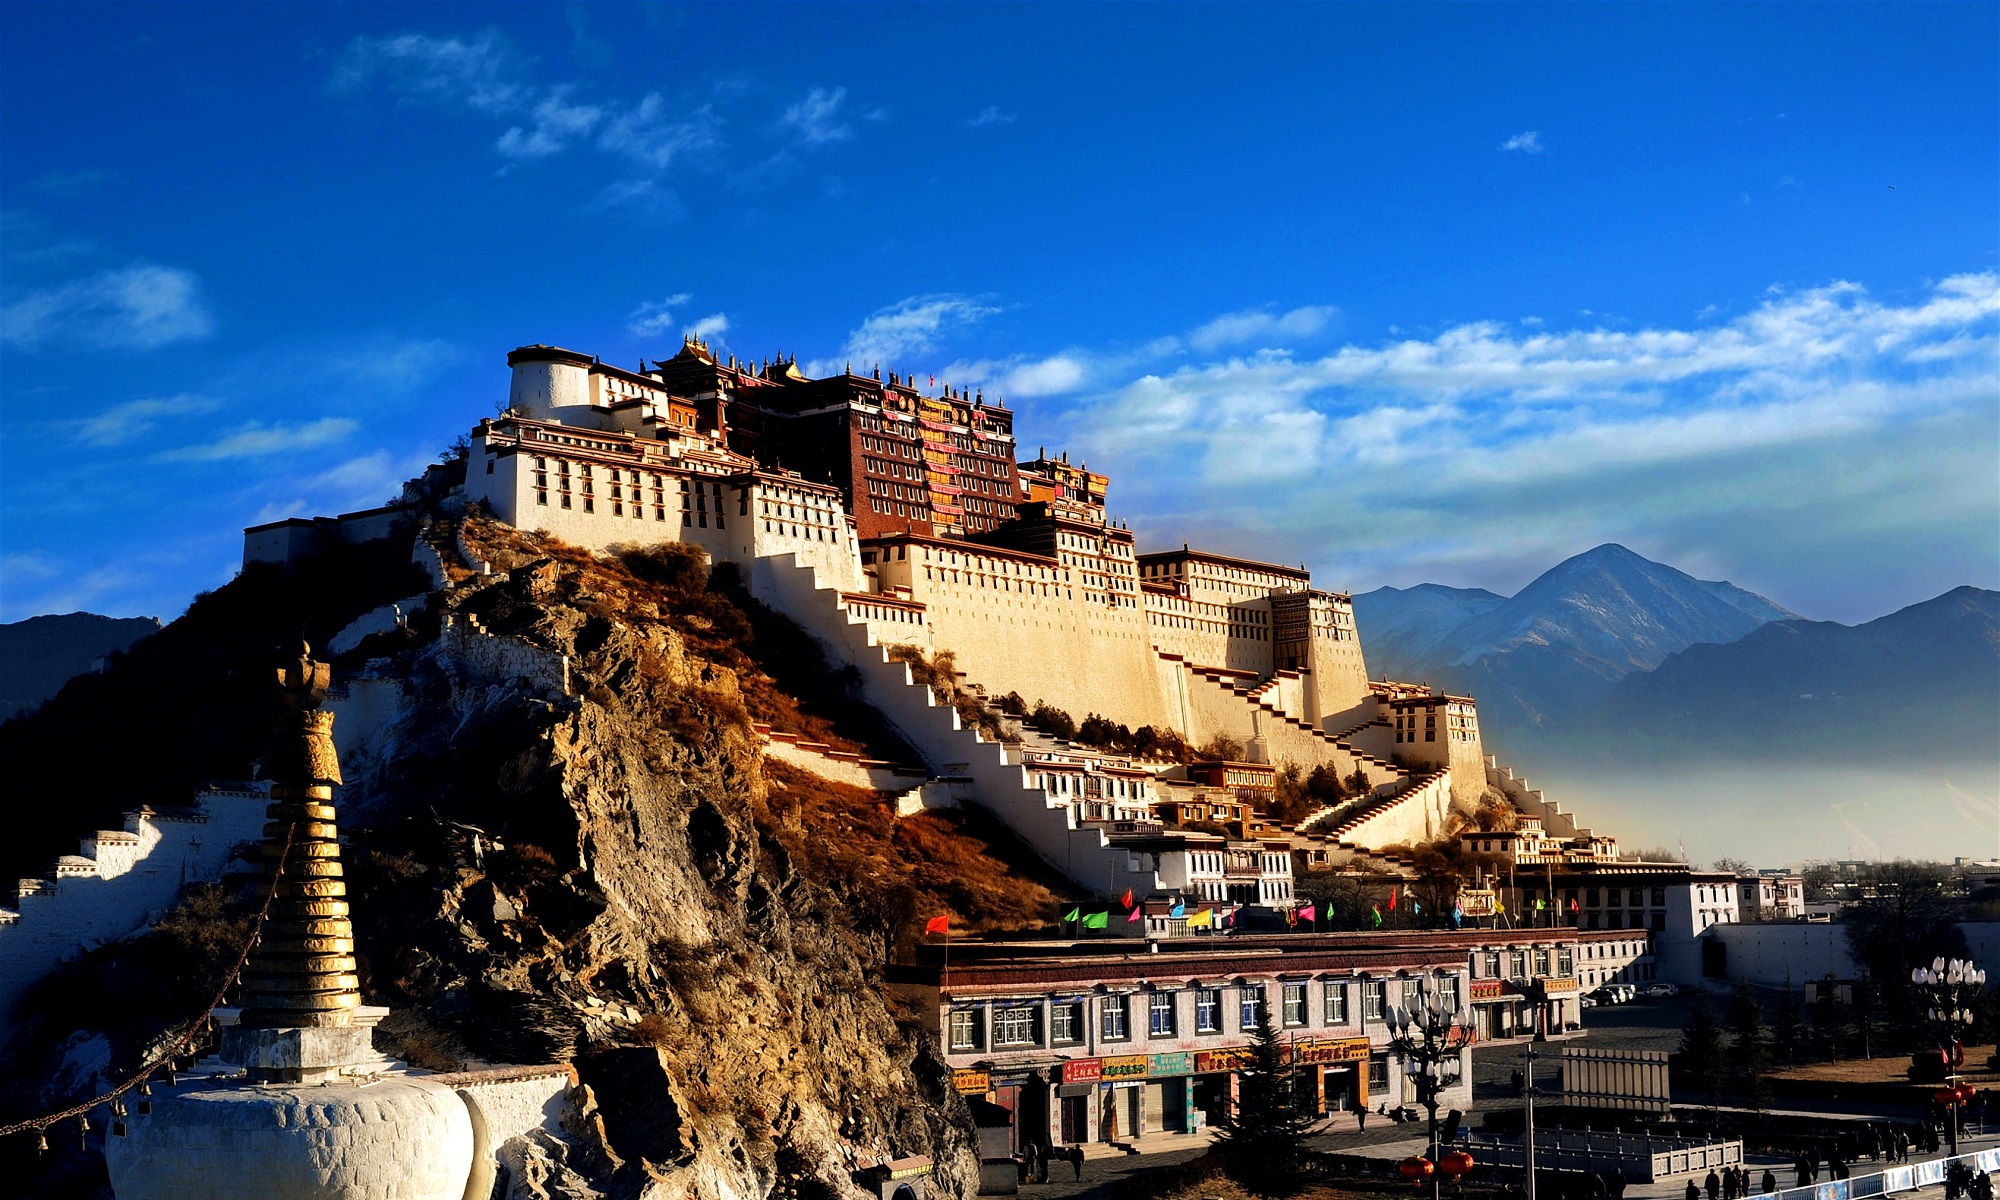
x=652 y=134
x=990 y=115
x=655 y=317
x=648 y=200
x=909 y=327
x=134 y=419
x=1529 y=142
x=139 y=307
x=710 y=327
x=557 y=123
x=258 y=440
x=1233 y=329
x=70 y=183
x=481 y=72
x=816 y=118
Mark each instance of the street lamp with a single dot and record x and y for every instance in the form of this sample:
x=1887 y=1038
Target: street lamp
x=1948 y=989
x=1427 y=1037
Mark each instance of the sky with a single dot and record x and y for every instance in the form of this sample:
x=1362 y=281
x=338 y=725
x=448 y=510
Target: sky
x=1405 y=293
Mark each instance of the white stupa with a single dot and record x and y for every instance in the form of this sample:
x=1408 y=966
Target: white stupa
x=297 y=1104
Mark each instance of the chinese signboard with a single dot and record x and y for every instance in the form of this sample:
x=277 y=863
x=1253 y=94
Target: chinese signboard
x=1129 y=1066
x=1082 y=1070
x=1306 y=1053
x=1235 y=1059
x=1166 y=1066
x=1488 y=989
x=1476 y=902
x=971 y=1082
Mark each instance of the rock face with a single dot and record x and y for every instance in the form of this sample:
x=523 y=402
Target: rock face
x=575 y=854
x=40 y=654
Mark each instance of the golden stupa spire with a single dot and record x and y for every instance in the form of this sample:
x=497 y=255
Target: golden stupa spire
x=301 y=972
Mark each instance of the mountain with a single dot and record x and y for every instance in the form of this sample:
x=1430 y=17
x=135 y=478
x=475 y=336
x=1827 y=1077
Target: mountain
x=40 y=654
x=1545 y=654
x=1400 y=625
x=1924 y=679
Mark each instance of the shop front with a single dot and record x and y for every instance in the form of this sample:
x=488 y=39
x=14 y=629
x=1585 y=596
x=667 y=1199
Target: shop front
x=1337 y=1066
x=1493 y=1009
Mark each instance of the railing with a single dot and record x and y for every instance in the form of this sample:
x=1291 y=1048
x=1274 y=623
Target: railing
x=1890 y=1181
x=1642 y=1157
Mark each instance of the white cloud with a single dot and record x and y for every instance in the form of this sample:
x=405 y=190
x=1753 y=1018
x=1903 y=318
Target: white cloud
x=1786 y=428
x=1235 y=328
x=653 y=137
x=709 y=328
x=653 y=318
x=135 y=419
x=479 y=72
x=645 y=199
x=990 y=115
x=258 y=440
x=908 y=327
x=140 y=307
x=1529 y=142
x=557 y=123
x=817 y=117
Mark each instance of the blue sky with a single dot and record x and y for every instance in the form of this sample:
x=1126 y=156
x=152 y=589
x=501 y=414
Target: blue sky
x=1407 y=293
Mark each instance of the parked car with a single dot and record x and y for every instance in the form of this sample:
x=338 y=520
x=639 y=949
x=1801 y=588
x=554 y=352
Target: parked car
x=1586 y=1002
x=1661 y=989
x=1603 y=995
x=1624 y=992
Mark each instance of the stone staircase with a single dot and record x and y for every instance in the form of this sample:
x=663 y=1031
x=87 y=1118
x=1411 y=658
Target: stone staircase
x=1228 y=705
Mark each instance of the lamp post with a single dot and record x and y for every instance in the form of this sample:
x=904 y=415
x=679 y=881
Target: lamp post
x=1427 y=1038
x=1948 y=989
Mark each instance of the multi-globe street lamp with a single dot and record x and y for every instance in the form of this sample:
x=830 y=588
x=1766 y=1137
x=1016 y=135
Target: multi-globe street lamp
x=1428 y=1037
x=1949 y=991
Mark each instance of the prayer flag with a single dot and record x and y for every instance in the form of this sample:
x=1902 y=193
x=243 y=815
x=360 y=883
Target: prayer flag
x=938 y=925
x=1499 y=905
x=1417 y=908
x=1540 y=904
x=1378 y=916
x=1096 y=920
x=1457 y=916
x=1309 y=913
x=1134 y=915
x=1127 y=901
x=1180 y=908
x=1572 y=905
x=1073 y=914
x=1202 y=920
x=1392 y=899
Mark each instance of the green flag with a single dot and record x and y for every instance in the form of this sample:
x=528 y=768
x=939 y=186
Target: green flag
x=1072 y=914
x=1097 y=920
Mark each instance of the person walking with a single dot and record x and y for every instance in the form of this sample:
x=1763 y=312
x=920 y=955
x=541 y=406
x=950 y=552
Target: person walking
x=1770 y=1182
x=1693 y=1192
x=1712 y=1186
x=1076 y=1160
x=1728 y=1183
x=1802 y=1167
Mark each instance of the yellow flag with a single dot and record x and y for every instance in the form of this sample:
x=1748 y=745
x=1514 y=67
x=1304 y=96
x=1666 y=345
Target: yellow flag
x=1205 y=917
x=1499 y=905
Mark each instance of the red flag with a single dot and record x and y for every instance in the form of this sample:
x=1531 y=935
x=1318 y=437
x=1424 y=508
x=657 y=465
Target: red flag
x=1392 y=899
x=939 y=925
x=1572 y=905
x=1128 y=898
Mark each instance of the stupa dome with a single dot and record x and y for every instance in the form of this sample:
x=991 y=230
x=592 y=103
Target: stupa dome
x=397 y=1137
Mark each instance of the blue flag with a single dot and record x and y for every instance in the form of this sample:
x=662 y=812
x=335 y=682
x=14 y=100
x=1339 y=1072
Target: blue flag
x=1180 y=909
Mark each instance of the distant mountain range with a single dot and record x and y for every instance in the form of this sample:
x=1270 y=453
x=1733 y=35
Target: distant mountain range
x=40 y=654
x=1609 y=651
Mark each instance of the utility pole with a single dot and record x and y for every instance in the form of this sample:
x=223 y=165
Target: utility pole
x=1538 y=995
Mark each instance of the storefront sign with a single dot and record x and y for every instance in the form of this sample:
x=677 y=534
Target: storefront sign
x=1166 y=1066
x=1207 y=1061
x=1322 y=1051
x=970 y=1082
x=1083 y=1070
x=1559 y=985
x=1488 y=989
x=1127 y=1066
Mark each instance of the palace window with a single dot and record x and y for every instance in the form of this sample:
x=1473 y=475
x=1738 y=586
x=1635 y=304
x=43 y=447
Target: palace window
x=1014 y=1025
x=1160 y=1014
x=1066 y=1021
x=1374 y=999
x=1111 y=1017
x=1250 y=1007
x=1208 y=1010
x=1336 y=1003
x=1295 y=1004
x=964 y=1031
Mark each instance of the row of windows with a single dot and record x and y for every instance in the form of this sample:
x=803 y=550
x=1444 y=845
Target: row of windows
x=1015 y=1024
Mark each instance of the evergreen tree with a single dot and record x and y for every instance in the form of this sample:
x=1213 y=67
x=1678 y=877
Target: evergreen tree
x=1750 y=1049
x=1263 y=1141
x=1701 y=1047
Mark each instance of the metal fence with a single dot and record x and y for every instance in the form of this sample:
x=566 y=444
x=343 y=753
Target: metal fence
x=1644 y=1158
x=1891 y=1180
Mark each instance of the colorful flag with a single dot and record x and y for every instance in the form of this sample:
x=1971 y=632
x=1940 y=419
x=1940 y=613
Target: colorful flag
x=1204 y=919
x=1378 y=916
x=1457 y=916
x=1096 y=920
x=938 y=925
x=1072 y=914
x=1499 y=905
x=1392 y=899
x=1180 y=909
x=1127 y=901
x=1572 y=904
x=1134 y=915
x=1416 y=908
x=1309 y=913
x=1540 y=904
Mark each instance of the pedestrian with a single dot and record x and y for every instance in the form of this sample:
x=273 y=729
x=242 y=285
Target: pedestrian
x=1361 y=1116
x=1618 y=1183
x=1712 y=1186
x=1728 y=1183
x=1076 y=1160
x=1871 y=1144
x=1802 y=1167
x=1770 y=1182
x=1693 y=1192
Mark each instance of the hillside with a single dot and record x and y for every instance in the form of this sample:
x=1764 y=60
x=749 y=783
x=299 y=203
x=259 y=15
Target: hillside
x=40 y=654
x=1544 y=655
x=581 y=873
x=1924 y=680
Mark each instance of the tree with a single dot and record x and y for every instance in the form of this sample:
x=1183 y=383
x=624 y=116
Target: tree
x=1701 y=1046
x=1263 y=1139
x=1730 y=866
x=1750 y=1047
x=1830 y=1017
x=1904 y=917
x=1788 y=1025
